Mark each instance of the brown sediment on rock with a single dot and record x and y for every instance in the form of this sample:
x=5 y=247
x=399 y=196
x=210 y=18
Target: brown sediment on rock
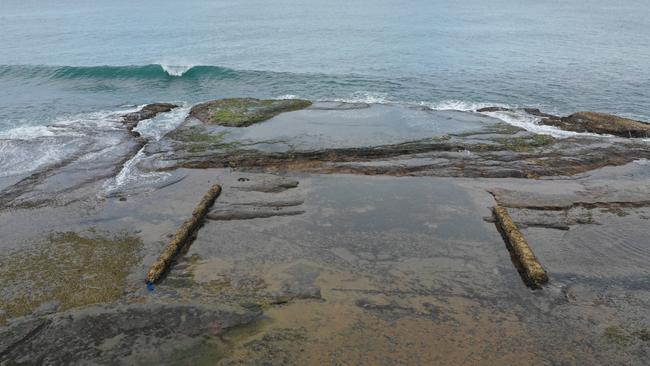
x=600 y=123
x=183 y=235
x=534 y=275
x=67 y=270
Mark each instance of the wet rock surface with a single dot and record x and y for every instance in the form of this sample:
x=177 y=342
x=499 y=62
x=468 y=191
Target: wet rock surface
x=392 y=263
x=93 y=155
x=119 y=334
x=392 y=140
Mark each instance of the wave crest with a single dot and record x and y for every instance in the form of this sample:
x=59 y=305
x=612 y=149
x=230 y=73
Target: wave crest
x=176 y=70
x=152 y=71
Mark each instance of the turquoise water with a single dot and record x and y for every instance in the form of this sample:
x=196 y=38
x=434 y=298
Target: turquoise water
x=68 y=57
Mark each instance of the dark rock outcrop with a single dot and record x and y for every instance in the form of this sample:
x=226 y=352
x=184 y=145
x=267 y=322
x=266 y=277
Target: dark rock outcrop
x=148 y=111
x=600 y=123
x=538 y=113
x=493 y=109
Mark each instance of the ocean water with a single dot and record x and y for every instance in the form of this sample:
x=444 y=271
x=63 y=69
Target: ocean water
x=61 y=60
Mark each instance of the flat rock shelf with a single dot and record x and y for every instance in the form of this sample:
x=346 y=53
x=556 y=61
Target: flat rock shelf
x=343 y=233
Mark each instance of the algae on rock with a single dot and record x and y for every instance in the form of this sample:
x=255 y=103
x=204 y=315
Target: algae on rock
x=70 y=268
x=242 y=112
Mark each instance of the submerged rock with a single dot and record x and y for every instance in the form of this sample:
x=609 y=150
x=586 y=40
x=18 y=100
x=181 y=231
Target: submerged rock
x=600 y=123
x=493 y=109
x=242 y=112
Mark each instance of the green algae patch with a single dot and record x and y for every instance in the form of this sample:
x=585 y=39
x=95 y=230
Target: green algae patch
x=196 y=139
x=617 y=336
x=242 y=112
x=198 y=135
x=526 y=143
x=500 y=128
x=70 y=268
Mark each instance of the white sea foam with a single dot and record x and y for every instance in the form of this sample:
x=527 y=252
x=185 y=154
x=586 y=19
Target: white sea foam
x=460 y=105
x=70 y=125
x=25 y=156
x=287 y=96
x=520 y=118
x=176 y=70
x=155 y=128
x=366 y=97
x=516 y=117
x=131 y=177
x=27 y=132
x=24 y=149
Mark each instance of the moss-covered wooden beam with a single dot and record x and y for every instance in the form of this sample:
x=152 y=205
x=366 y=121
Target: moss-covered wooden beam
x=532 y=271
x=183 y=235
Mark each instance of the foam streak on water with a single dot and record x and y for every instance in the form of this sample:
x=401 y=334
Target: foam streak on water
x=521 y=119
x=157 y=127
x=131 y=177
x=25 y=149
x=516 y=117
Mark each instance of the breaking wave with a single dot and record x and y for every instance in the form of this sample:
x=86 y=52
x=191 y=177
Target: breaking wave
x=152 y=71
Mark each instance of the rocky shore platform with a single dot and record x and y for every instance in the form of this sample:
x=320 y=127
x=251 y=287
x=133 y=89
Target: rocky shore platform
x=344 y=233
